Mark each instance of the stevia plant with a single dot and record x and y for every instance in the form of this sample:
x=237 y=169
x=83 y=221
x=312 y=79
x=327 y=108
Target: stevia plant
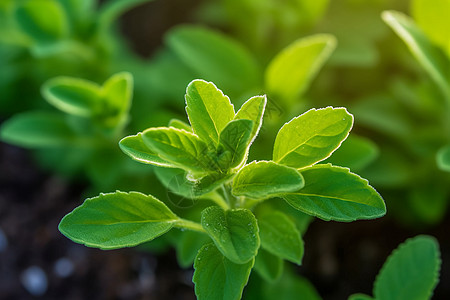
x=206 y=161
x=80 y=136
x=410 y=272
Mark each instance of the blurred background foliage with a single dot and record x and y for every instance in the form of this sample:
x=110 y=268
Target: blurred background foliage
x=390 y=69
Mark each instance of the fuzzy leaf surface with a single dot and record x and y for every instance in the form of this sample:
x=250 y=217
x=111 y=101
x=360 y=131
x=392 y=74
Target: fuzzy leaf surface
x=134 y=147
x=312 y=136
x=117 y=220
x=208 y=109
x=253 y=109
x=216 y=277
x=233 y=143
x=234 y=232
x=411 y=271
x=334 y=193
x=265 y=179
x=290 y=73
x=280 y=236
x=181 y=148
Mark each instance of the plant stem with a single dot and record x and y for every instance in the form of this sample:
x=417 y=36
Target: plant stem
x=218 y=200
x=189 y=225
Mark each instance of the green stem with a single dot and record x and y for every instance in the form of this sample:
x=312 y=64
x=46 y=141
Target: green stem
x=189 y=225
x=218 y=200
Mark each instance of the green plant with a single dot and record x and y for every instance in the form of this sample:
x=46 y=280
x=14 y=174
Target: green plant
x=410 y=272
x=241 y=218
x=82 y=136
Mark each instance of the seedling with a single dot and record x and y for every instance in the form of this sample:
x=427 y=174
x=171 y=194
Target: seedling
x=212 y=153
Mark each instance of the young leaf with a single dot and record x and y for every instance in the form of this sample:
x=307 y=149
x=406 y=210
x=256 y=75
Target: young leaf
x=117 y=220
x=428 y=55
x=333 y=193
x=44 y=21
x=311 y=137
x=268 y=266
x=181 y=148
x=434 y=21
x=72 y=95
x=291 y=71
x=266 y=179
x=134 y=147
x=355 y=153
x=411 y=271
x=253 y=109
x=38 y=130
x=116 y=94
x=234 y=232
x=111 y=10
x=216 y=277
x=215 y=57
x=208 y=109
x=280 y=237
x=233 y=143
x=180 y=125
x=443 y=158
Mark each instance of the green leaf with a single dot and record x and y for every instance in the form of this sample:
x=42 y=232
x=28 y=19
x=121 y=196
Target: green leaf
x=432 y=60
x=268 y=266
x=117 y=220
x=216 y=57
x=312 y=136
x=44 y=21
x=333 y=193
x=443 y=158
x=117 y=93
x=359 y=297
x=411 y=271
x=355 y=153
x=234 y=232
x=72 y=95
x=216 y=277
x=134 y=147
x=38 y=130
x=232 y=150
x=208 y=109
x=180 y=125
x=434 y=21
x=181 y=148
x=266 y=179
x=253 y=109
x=188 y=246
x=290 y=73
x=175 y=180
x=280 y=237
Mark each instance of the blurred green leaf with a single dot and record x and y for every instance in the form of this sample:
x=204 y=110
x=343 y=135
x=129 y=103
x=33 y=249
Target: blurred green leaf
x=44 y=21
x=208 y=109
x=312 y=136
x=180 y=125
x=433 y=19
x=216 y=277
x=359 y=297
x=234 y=232
x=117 y=220
x=429 y=56
x=280 y=237
x=266 y=179
x=411 y=271
x=355 y=152
x=333 y=193
x=112 y=9
x=443 y=158
x=188 y=245
x=117 y=93
x=215 y=57
x=72 y=95
x=39 y=130
x=289 y=74
x=268 y=266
